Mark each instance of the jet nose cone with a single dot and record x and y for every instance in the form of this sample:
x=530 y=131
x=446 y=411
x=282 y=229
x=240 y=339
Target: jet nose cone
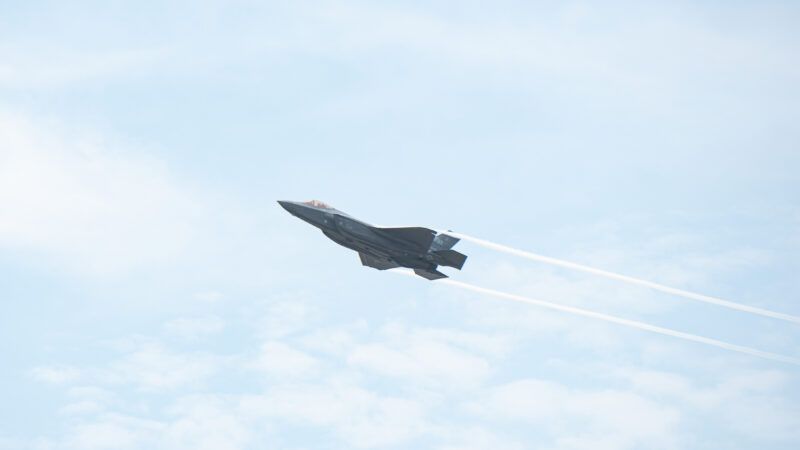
x=287 y=205
x=303 y=212
x=295 y=208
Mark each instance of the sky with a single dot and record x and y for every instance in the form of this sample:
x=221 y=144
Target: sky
x=154 y=295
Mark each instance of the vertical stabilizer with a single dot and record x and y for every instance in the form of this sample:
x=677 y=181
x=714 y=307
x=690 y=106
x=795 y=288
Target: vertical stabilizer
x=443 y=242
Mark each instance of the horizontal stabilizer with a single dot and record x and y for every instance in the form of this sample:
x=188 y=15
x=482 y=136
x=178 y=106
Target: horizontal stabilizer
x=422 y=237
x=444 y=242
x=378 y=263
x=430 y=274
x=451 y=258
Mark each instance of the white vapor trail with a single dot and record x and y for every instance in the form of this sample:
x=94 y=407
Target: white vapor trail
x=631 y=280
x=617 y=320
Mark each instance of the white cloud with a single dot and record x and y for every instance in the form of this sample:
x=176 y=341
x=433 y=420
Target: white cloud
x=203 y=422
x=113 y=431
x=88 y=400
x=747 y=402
x=209 y=296
x=150 y=366
x=433 y=363
x=362 y=418
x=425 y=357
x=76 y=197
x=103 y=435
x=56 y=374
x=206 y=423
x=28 y=66
x=428 y=371
x=476 y=438
x=647 y=54
x=335 y=341
x=736 y=384
x=94 y=393
x=81 y=408
x=194 y=327
x=286 y=316
x=489 y=344
x=767 y=418
x=280 y=359
x=579 y=419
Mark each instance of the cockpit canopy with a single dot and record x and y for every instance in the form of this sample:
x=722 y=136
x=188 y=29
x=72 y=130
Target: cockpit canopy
x=317 y=204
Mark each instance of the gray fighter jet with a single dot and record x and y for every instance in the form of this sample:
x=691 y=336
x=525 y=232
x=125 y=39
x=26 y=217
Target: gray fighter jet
x=417 y=248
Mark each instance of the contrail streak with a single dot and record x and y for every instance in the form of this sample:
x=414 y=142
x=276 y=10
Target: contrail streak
x=617 y=320
x=631 y=280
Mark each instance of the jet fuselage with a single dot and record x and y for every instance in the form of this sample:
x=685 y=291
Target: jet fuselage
x=417 y=248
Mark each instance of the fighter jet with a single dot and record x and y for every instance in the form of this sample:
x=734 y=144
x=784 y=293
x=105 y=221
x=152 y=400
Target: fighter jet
x=417 y=248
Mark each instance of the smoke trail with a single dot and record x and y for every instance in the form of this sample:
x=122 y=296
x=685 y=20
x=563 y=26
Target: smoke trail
x=617 y=320
x=631 y=280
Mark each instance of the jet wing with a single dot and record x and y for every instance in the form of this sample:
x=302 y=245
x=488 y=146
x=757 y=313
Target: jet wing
x=423 y=237
x=380 y=264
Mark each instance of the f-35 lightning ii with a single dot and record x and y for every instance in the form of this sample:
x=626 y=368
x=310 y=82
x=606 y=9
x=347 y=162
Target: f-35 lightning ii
x=417 y=248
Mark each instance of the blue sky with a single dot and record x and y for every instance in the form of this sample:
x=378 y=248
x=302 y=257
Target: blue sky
x=154 y=295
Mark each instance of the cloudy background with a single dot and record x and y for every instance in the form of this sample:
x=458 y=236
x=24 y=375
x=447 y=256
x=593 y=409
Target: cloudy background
x=154 y=295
